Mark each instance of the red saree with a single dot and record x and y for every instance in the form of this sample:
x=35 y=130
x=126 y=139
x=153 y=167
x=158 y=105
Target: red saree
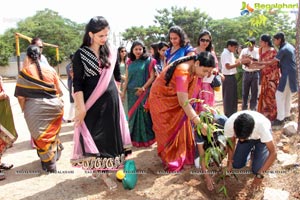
x=269 y=81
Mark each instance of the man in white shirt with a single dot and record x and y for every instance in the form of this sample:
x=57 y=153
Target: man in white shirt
x=254 y=133
x=229 y=85
x=250 y=76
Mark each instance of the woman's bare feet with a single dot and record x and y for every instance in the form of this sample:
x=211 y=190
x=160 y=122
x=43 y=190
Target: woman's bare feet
x=108 y=181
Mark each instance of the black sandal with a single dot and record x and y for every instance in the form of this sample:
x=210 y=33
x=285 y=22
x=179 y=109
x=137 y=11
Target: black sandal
x=6 y=166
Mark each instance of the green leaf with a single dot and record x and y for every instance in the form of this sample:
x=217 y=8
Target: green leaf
x=229 y=142
x=215 y=155
x=207 y=156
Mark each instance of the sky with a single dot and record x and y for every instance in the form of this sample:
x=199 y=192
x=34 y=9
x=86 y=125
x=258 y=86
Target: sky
x=121 y=14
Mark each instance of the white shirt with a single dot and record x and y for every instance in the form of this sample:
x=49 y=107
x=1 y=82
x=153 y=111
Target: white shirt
x=44 y=60
x=262 y=126
x=254 y=54
x=227 y=57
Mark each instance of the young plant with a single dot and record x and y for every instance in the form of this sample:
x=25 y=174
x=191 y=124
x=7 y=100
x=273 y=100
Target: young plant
x=214 y=142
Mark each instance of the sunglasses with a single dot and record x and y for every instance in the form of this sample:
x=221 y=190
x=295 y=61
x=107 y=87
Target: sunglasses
x=204 y=40
x=123 y=51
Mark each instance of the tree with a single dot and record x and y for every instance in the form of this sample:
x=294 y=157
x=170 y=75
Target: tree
x=52 y=28
x=189 y=21
x=5 y=50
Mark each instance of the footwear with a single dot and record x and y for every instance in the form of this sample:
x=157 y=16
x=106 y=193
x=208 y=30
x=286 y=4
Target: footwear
x=112 y=185
x=95 y=175
x=277 y=122
x=2 y=176
x=6 y=166
x=287 y=119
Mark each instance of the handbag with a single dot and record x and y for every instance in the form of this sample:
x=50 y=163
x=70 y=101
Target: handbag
x=216 y=82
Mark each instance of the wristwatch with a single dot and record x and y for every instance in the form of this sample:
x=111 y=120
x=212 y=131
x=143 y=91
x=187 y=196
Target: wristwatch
x=259 y=176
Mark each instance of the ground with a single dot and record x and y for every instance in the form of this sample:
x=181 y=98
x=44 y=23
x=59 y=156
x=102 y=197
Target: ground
x=26 y=181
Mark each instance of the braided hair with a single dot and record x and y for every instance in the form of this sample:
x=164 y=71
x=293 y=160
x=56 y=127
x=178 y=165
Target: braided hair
x=33 y=52
x=206 y=59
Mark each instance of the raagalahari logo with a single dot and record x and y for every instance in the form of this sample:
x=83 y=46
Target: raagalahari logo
x=246 y=8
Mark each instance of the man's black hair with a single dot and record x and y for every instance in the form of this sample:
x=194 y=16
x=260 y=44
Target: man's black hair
x=243 y=126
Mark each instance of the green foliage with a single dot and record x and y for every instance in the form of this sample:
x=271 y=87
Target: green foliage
x=215 y=153
x=4 y=52
x=53 y=29
x=188 y=20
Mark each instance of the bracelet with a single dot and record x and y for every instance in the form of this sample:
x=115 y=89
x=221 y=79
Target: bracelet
x=143 y=89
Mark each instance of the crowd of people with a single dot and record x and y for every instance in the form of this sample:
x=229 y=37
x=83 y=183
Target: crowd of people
x=122 y=99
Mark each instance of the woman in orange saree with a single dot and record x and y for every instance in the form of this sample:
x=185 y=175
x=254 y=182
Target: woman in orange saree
x=38 y=94
x=172 y=112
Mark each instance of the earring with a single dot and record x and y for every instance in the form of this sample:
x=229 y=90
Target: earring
x=92 y=41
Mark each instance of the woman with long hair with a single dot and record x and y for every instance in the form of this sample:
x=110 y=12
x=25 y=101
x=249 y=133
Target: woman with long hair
x=179 y=45
x=172 y=113
x=38 y=93
x=270 y=75
x=139 y=77
x=101 y=130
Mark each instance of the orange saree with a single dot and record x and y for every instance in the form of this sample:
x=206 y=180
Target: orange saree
x=173 y=129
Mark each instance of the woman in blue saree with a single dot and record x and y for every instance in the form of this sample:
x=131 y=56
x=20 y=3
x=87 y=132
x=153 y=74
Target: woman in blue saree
x=179 y=47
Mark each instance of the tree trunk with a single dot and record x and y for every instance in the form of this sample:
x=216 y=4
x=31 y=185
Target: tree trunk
x=298 y=60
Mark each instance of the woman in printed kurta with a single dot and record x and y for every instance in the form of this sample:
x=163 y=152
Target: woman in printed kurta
x=101 y=130
x=139 y=77
x=38 y=94
x=172 y=114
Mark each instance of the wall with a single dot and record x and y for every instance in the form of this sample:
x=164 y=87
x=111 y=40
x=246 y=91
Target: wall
x=11 y=71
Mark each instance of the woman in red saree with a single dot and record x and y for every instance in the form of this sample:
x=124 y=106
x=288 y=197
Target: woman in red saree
x=270 y=75
x=171 y=111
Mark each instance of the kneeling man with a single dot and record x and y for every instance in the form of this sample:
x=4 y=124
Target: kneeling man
x=254 y=134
